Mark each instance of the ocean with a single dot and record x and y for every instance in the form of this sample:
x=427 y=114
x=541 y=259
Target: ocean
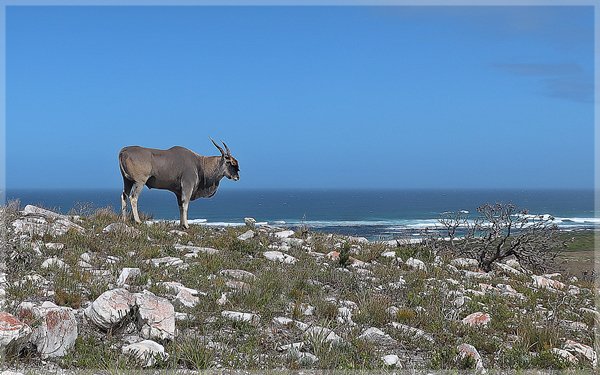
x=375 y=214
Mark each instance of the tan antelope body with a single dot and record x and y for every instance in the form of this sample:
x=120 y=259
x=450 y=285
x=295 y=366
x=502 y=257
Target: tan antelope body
x=182 y=171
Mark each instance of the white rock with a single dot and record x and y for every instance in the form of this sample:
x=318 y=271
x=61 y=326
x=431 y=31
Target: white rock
x=186 y=299
x=156 y=316
x=242 y=317
x=412 y=331
x=54 y=246
x=460 y=301
x=303 y=357
x=168 y=261
x=121 y=228
x=582 y=349
x=56 y=329
x=321 y=335
x=283 y=321
x=477 y=275
x=250 y=222
x=284 y=234
x=196 y=249
x=127 y=274
x=13 y=332
x=344 y=316
x=389 y=254
x=278 y=256
x=175 y=288
x=508 y=269
x=466 y=350
x=84 y=265
x=246 y=235
x=477 y=319
x=391 y=360
x=54 y=263
x=565 y=354
x=238 y=274
x=377 y=336
x=147 y=352
x=416 y=264
x=179 y=233
x=222 y=300
x=468 y=263
x=110 y=308
x=296 y=345
x=546 y=283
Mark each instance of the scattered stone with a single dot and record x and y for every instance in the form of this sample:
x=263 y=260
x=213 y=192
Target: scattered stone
x=168 y=261
x=193 y=251
x=303 y=357
x=574 y=326
x=38 y=221
x=54 y=246
x=246 y=235
x=54 y=263
x=278 y=256
x=302 y=308
x=412 y=331
x=238 y=274
x=175 y=287
x=416 y=264
x=147 y=352
x=13 y=332
x=477 y=319
x=546 y=283
x=460 y=301
x=467 y=263
x=186 y=299
x=111 y=308
x=55 y=330
x=466 y=350
x=389 y=254
x=321 y=334
x=155 y=316
x=250 y=222
x=127 y=274
x=477 y=275
x=391 y=360
x=377 y=336
x=344 y=316
x=284 y=234
x=296 y=345
x=566 y=355
x=121 y=228
x=584 y=350
x=222 y=300
x=253 y=319
x=237 y=285
x=179 y=233
x=507 y=269
x=84 y=265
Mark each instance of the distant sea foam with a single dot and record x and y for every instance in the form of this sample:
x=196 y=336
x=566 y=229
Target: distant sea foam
x=369 y=213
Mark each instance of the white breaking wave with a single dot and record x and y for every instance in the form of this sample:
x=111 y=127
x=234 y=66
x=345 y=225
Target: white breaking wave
x=394 y=225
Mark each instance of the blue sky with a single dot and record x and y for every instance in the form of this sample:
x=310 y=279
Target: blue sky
x=305 y=97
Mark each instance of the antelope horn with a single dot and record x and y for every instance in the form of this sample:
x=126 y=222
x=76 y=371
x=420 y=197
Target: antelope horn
x=217 y=146
x=226 y=148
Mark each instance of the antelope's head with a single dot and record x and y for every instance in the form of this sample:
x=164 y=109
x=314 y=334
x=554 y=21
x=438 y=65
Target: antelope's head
x=231 y=166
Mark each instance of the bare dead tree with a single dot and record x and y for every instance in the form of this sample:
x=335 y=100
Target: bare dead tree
x=500 y=231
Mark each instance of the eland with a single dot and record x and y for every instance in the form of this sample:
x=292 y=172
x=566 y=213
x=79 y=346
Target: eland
x=187 y=174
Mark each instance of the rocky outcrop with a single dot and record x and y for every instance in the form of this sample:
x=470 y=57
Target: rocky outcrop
x=146 y=352
x=13 y=332
x=111 y=308
x=55 y=329
x=155 y=317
